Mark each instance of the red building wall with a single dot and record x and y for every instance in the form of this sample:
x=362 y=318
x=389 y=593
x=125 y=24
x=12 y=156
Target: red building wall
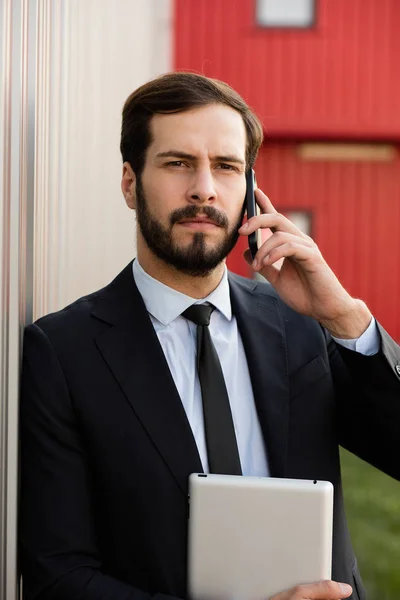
x=340 y=78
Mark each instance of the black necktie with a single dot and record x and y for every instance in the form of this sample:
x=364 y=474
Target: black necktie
x=222 y=450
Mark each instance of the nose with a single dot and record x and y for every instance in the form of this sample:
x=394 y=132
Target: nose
x=202 y=187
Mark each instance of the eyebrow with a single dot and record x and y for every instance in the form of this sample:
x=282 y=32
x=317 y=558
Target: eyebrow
x=180 y=154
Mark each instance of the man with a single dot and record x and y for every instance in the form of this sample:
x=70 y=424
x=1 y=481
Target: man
x=112 y=416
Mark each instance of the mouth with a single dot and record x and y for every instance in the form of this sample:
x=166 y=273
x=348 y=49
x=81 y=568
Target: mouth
x=198 y=223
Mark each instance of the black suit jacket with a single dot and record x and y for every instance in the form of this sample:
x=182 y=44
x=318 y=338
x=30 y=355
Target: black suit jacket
x=107 y=448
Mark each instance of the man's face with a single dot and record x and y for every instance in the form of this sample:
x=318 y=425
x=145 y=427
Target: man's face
x=190 y=196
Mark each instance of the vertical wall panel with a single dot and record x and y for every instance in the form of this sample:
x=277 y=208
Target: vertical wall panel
x=17 y=75
x=340 y=77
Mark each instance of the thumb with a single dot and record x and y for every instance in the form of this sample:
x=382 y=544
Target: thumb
x=247 y=256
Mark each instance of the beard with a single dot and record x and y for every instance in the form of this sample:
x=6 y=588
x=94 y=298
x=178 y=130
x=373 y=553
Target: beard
x=194 y=259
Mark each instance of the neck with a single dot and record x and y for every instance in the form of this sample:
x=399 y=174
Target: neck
x=195 y=287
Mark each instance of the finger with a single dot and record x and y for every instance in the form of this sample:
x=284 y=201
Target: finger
x=321 y=590
x=278 y=239
x=271 y=274
x=264 y=202
x=274 y=221
x=297 y=252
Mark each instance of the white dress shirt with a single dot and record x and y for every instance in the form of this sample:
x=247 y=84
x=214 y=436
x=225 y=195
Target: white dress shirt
x=177 y=337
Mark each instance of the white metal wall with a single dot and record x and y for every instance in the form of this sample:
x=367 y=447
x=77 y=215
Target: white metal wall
x=66 y=68
x=92 y=55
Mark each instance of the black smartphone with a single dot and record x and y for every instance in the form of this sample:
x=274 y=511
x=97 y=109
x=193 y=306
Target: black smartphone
x=251 y=208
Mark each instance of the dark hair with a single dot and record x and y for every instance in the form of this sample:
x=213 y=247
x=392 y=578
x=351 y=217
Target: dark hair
x=174 y=93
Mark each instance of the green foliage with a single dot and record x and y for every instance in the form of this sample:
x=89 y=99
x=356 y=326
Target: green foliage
x=373 y=510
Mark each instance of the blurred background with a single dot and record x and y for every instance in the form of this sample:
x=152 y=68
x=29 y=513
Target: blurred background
x=324 y=78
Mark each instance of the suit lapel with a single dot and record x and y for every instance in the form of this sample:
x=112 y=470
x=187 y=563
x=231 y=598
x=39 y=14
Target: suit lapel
x=262 y=332
x=132 y=351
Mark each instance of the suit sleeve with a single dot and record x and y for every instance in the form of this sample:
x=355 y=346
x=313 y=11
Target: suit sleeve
x=58 y=554
x=368 y=394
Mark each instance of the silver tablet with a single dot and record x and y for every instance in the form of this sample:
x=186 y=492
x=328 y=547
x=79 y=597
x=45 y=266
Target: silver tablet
x=252 y=537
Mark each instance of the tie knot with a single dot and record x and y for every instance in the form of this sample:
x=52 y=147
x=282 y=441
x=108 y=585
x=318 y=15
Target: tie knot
x=199 y=313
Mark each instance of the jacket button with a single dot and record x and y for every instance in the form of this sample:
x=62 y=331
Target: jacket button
x=397 y=369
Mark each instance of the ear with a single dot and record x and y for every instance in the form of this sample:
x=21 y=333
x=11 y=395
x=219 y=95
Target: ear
x=128 y=185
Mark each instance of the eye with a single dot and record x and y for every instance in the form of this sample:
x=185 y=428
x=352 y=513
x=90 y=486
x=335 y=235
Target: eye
x=175 y=163
x=226 y=167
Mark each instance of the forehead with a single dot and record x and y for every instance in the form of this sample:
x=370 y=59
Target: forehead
x=214 y=129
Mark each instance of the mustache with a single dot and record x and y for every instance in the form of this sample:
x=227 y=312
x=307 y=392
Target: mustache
x=191 y=212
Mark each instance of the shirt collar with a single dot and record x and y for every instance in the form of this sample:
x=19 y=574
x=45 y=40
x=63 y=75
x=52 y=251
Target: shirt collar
x=166 y=304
